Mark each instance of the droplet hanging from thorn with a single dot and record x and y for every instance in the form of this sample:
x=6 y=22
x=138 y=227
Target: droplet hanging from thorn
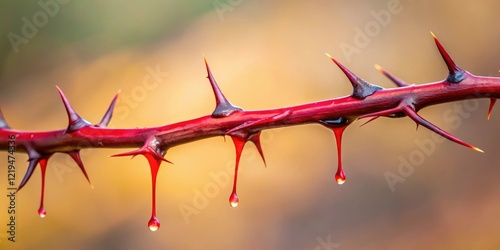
x=153 y=223
x=41 y=212
x=233 y=199
x=239 y=143
x=43 y=166
x=340 y=175
x=154 y=164
x=154 y=157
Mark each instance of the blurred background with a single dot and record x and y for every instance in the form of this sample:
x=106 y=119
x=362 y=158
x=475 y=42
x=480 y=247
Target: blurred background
x=405 y=189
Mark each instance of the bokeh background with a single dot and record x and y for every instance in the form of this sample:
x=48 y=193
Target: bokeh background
x=264 y=54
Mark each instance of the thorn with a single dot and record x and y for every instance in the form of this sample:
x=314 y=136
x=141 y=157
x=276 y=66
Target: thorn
x=76 y=157
x=370 y=120
x=3 y=123
x=150 y=148
x=255 y=139
x=33 y=159
x=132 y=153
x=361 y=88
x=492 y=103
x=456 y=74
x=387 y=112
x=419 y=120
x=394 y=79
x=274 y=118
x=143 y=151
x=223 y=107
x=29 y=172
x=109 y=113
x=75 y=121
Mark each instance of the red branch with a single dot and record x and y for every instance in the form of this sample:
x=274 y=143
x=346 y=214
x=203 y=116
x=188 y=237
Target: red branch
x=366 y=101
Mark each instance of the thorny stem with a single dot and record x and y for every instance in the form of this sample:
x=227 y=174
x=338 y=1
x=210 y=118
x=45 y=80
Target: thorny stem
x=366 y=101
x=203 y=127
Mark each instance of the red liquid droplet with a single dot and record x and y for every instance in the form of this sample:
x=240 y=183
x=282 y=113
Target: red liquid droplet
x=154 y=223
x=340 y=175
x=233 y=199
x=43 y=166
x=41 y=212
x=239 y=143
x=154 y=164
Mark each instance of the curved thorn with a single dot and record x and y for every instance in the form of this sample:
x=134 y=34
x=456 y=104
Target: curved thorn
x=492 y=103
x=33 y=158
x=394 y=79
x=255 y=139
x=370 y=120
x=31 y=168
x=361 y=88
x=143 y=151
x=387 y=112
x=456 y=74
x=419 y=120
x=132 y=153
x=75 y=121
x=76 y=157
x=109 y=113
x=260 y=121
x=3 y=123
x=223 y=107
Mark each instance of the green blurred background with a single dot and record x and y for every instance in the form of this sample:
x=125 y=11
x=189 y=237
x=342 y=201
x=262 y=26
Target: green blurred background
x=264 y=54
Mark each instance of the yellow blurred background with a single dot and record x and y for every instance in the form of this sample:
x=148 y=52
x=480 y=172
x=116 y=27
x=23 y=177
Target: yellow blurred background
x=263 y=54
